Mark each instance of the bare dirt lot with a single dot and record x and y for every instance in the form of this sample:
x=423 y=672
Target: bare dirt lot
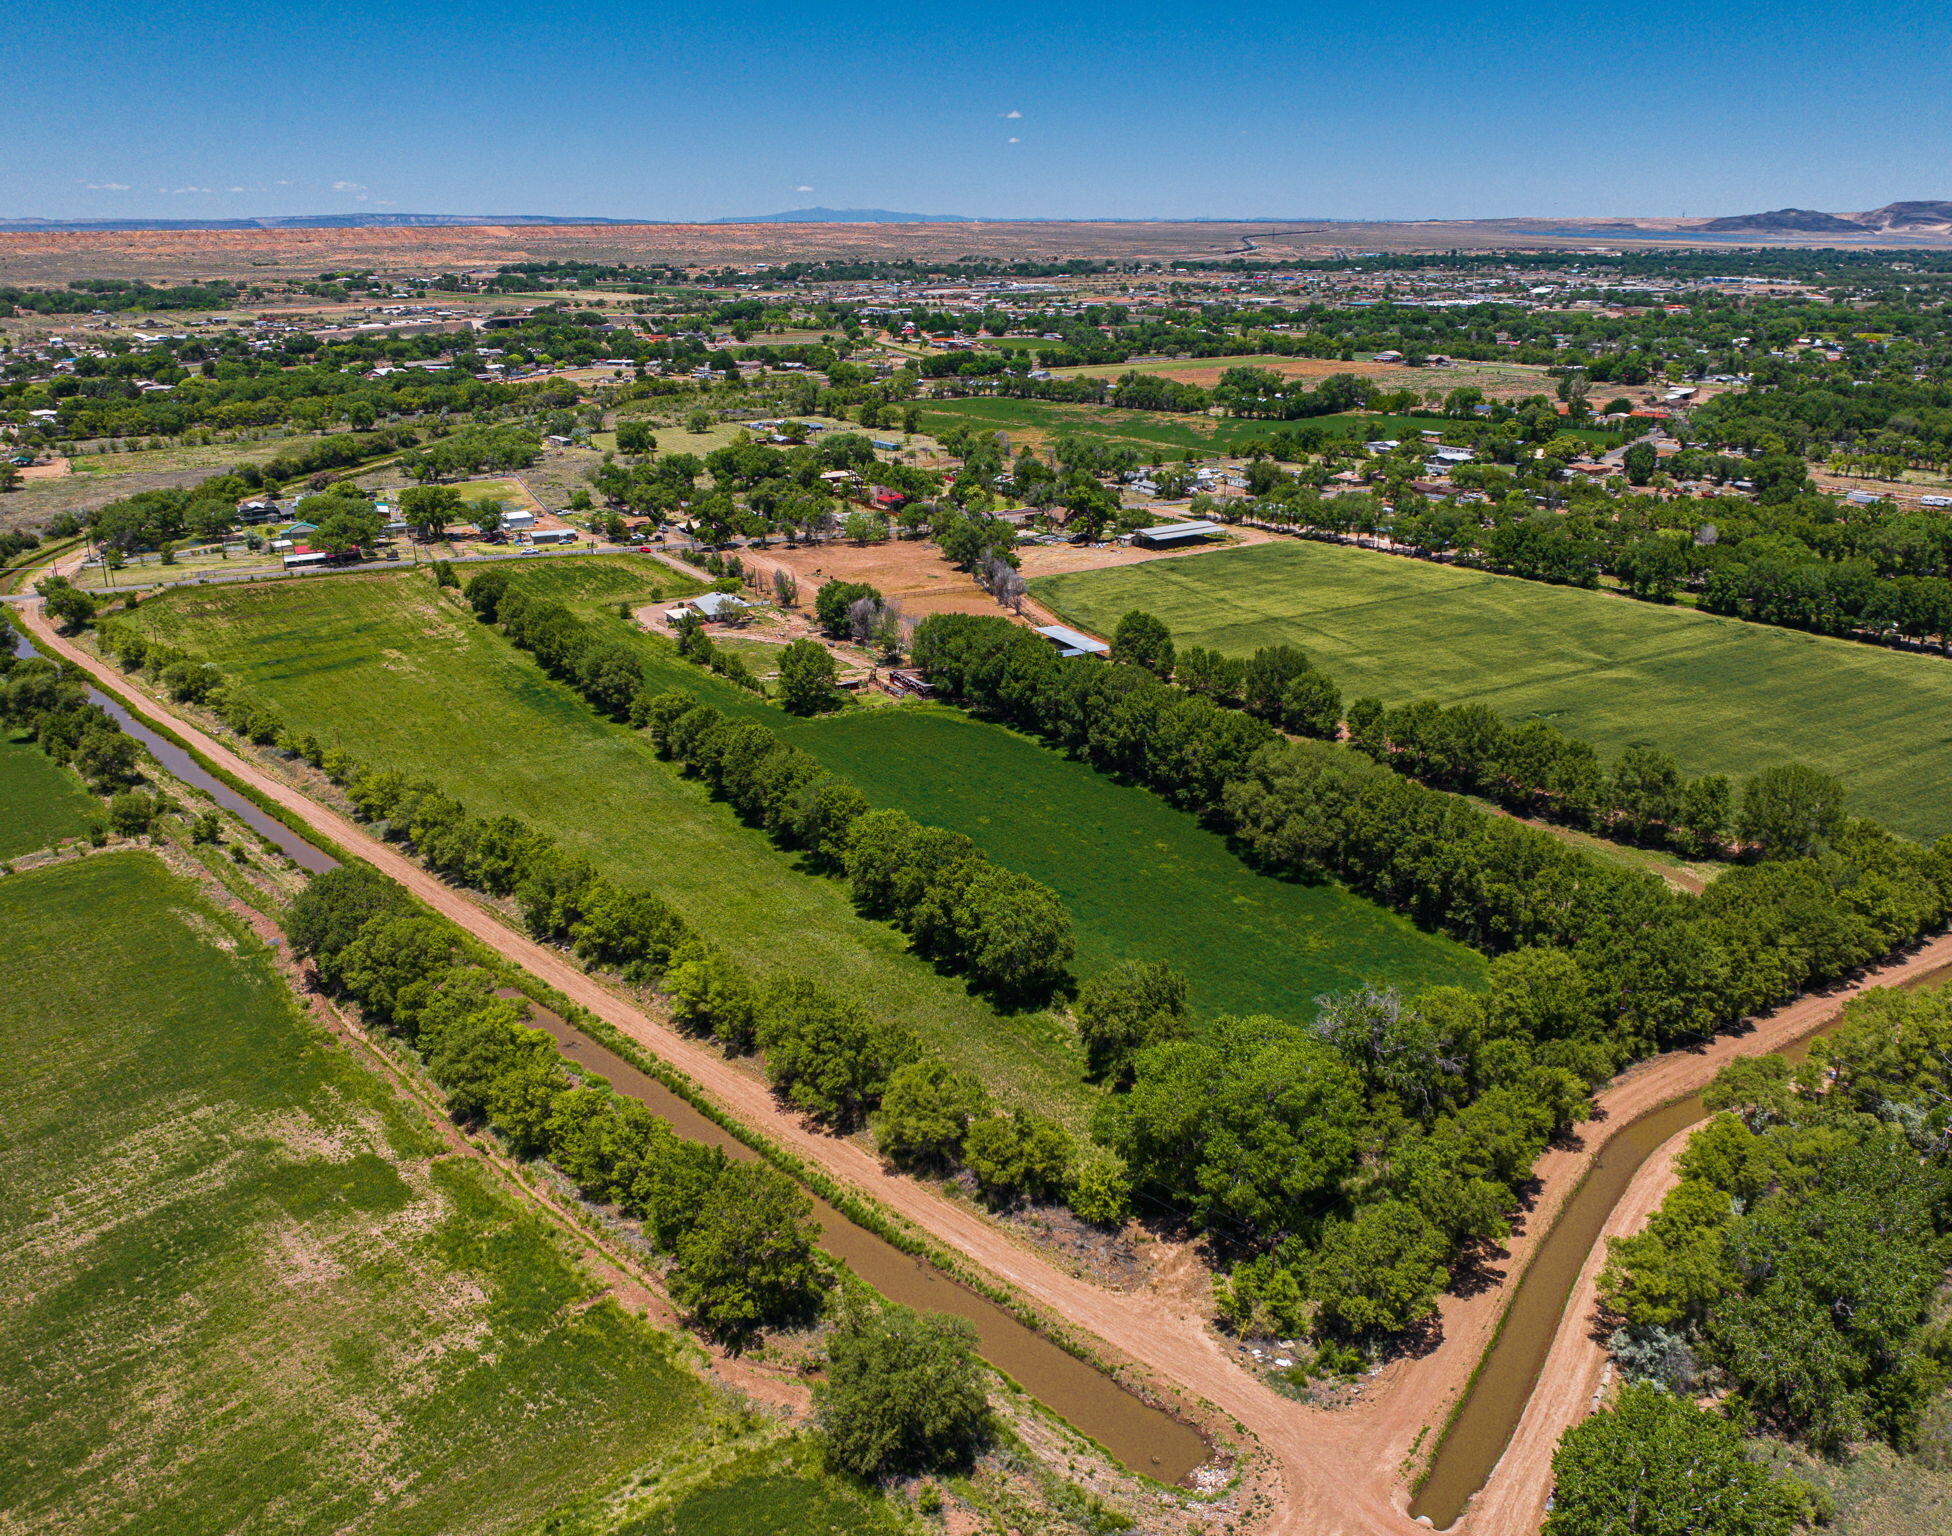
x=912 y=571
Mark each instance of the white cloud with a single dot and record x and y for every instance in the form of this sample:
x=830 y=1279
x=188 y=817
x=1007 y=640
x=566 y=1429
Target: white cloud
x=106 y=186
x=1015 y=140
x=181 y=191
x=803 y=189
x=1013 y=113
x=347 y=186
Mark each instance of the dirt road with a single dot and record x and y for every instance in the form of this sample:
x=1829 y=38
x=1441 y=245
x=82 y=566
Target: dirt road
x=1343 y=1471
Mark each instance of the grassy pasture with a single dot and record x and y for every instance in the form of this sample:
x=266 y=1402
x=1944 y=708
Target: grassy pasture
x=42 y=801
x=1723 y=696
x=1249 y=943
x=1142 y=881
x=404 y=677
x=247 y=1290
x=408 y=680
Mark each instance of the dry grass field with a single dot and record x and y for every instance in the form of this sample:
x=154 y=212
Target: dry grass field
x=55 y=256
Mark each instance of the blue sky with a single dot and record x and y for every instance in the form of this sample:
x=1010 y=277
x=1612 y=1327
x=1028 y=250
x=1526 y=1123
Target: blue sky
x=180 y=109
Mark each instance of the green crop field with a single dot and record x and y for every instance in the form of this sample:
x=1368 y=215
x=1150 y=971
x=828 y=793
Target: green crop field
x=1249 y=943
x=409 y=681
x=247 y=1289
x=767 y=1494
x=1721 y=695
x=1142 y=881
x=403 y=677
x=43 y=801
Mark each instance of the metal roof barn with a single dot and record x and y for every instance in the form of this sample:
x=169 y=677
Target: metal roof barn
x=1070 y=643
x=1177 y=533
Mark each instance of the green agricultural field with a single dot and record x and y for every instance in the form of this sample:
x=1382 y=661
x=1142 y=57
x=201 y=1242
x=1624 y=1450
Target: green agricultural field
x=1042 y=422
x=43 y=802
x=767 y=1494
x=402 y=675
x=247 y=1288
x=1249 y=943
x=1723 y=696
x=1142 y=881
x=595 y=584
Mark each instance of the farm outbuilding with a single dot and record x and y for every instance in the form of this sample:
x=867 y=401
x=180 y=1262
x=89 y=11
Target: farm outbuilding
x=1167 y=534
x=1070 y=643
x=708 y=605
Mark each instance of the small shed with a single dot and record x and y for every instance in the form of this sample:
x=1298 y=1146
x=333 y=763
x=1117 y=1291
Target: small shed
x=1168 y=534
x=1070 y=643
x=518 y=519
x=553 y=536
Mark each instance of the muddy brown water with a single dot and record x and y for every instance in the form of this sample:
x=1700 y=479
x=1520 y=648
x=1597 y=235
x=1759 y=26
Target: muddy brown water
x=1485 y=1423
x=186 y=768
x=1141 y=1437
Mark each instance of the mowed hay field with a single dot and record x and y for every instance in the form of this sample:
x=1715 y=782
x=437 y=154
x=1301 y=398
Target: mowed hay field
x=40 y=801
x=400 y=674
x=1723 y=696
x=246 y=1289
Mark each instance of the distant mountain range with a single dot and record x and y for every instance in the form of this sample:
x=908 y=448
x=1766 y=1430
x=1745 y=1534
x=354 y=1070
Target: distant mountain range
x=1907 y=219
x=316 y=221
x=845 y=216
x=452 y=220
x=1918 y=218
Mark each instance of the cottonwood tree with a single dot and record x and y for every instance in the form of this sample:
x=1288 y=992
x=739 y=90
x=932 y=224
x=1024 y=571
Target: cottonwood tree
x=1144 y=641
x=1656 y=1465
x=902 y=1393
x=748 y=1262
x=809 y=680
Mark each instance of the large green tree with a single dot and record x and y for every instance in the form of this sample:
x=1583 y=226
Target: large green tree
x=902 y=1393
x=1655 y=1465
x=748 y=1261
x=809 y=681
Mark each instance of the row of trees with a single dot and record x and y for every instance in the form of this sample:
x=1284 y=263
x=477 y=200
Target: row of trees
x=900 y=1393
x=1596 y=965
x=826 y=1055
x=49 y=701
x=1008 y=933
x=740 y=1235
x=1533 y=768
